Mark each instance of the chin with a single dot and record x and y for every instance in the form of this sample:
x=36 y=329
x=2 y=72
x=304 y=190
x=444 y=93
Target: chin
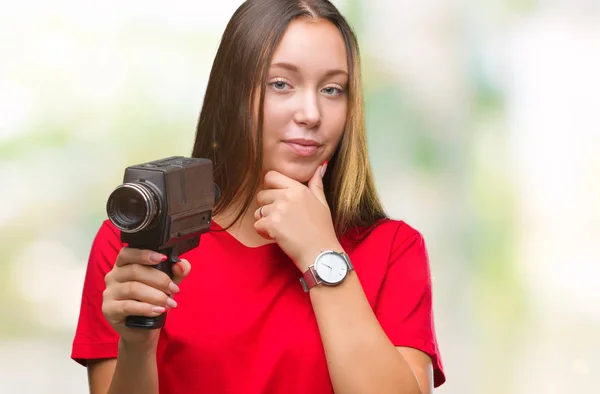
x=298 y=172
x=299 y=176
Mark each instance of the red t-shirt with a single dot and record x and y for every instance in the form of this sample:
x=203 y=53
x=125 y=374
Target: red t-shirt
x=243 y=323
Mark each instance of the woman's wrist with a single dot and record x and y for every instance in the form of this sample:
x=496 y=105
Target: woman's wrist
x=136 y=368
x=141 y=348
x=310 y=254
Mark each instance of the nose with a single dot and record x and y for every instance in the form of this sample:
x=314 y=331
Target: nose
x=308 y=113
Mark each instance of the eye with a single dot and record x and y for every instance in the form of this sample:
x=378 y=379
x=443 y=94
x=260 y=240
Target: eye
x=333 y=90
x=279 y=85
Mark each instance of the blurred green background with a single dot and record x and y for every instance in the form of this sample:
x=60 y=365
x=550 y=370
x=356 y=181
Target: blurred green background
x=484 y=131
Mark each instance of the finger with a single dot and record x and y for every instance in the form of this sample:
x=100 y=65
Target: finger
x=181 y=270
x=276 y=180
x=138 y=256
x=139 y=292
x=315 y=184
x=116 y=311
x=261 y=212
x=269 y=196
x=262 y=229
x=145 y=274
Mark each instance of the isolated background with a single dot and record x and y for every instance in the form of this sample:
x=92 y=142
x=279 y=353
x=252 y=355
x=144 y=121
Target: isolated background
x=484 y=134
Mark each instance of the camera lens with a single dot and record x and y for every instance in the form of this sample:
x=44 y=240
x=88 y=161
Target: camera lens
x=132 y=207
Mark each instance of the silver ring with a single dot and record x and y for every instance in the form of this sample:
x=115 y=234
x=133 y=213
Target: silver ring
x=260 y=211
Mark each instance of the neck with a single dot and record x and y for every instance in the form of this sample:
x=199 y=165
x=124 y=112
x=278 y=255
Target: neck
x=243 y=230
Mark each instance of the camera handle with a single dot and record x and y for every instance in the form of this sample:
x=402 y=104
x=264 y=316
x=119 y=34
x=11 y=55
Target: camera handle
x=151 y=323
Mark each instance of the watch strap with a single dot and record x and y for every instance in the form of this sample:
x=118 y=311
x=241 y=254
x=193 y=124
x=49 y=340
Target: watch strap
x=309 y=279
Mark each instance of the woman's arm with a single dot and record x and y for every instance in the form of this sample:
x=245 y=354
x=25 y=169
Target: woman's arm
x=100 y=374
x=134 y=287
x=360 y=357
x=135 y=370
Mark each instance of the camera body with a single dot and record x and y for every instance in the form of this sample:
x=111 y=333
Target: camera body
x=164 y=205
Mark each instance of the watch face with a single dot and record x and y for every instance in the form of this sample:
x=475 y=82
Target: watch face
x=331 y=268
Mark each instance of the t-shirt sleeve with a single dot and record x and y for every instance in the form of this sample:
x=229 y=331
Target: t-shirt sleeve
x=94 y=337
x=404 y=305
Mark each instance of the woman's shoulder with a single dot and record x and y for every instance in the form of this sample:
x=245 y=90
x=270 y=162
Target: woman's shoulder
x=108 y=229
x=399 y=227
x=384 y=231
x=107 y=237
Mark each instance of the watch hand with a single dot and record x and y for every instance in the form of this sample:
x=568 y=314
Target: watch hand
x=326 y=266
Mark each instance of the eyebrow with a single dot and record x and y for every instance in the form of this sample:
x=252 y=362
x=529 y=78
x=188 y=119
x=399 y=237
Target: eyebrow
x=291 y=67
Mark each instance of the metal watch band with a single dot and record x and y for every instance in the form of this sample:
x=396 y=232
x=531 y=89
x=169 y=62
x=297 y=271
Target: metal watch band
x=310 y=278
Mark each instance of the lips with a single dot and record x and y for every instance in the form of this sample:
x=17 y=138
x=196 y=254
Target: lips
x=303 y=147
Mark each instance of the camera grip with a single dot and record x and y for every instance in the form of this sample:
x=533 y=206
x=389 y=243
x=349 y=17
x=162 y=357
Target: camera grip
x=151 y=323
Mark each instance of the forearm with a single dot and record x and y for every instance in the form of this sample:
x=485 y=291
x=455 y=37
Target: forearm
x=135 y=371
x=360 y=357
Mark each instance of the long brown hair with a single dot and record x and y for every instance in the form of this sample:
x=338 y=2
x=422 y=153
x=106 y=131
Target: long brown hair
x=225 y=127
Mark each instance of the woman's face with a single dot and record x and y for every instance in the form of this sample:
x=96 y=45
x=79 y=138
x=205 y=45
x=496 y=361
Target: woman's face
x=305 y=99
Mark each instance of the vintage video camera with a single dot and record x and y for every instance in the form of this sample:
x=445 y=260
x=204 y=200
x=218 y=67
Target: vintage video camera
x=165 y=206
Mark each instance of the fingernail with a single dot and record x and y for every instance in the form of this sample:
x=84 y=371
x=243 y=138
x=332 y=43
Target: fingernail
x=171 y=303
x=181 y=267
x=174 y=288
x=158 y=309
x=157 y=257
x=324 y=168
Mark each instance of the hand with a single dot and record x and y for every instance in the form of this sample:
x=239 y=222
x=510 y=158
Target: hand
x=133 y=287
x=296 y=217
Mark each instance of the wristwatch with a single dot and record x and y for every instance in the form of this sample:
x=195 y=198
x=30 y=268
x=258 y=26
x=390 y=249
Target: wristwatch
x=330 y=268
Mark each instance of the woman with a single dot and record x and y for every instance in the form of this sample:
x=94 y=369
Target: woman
x=258 y=307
